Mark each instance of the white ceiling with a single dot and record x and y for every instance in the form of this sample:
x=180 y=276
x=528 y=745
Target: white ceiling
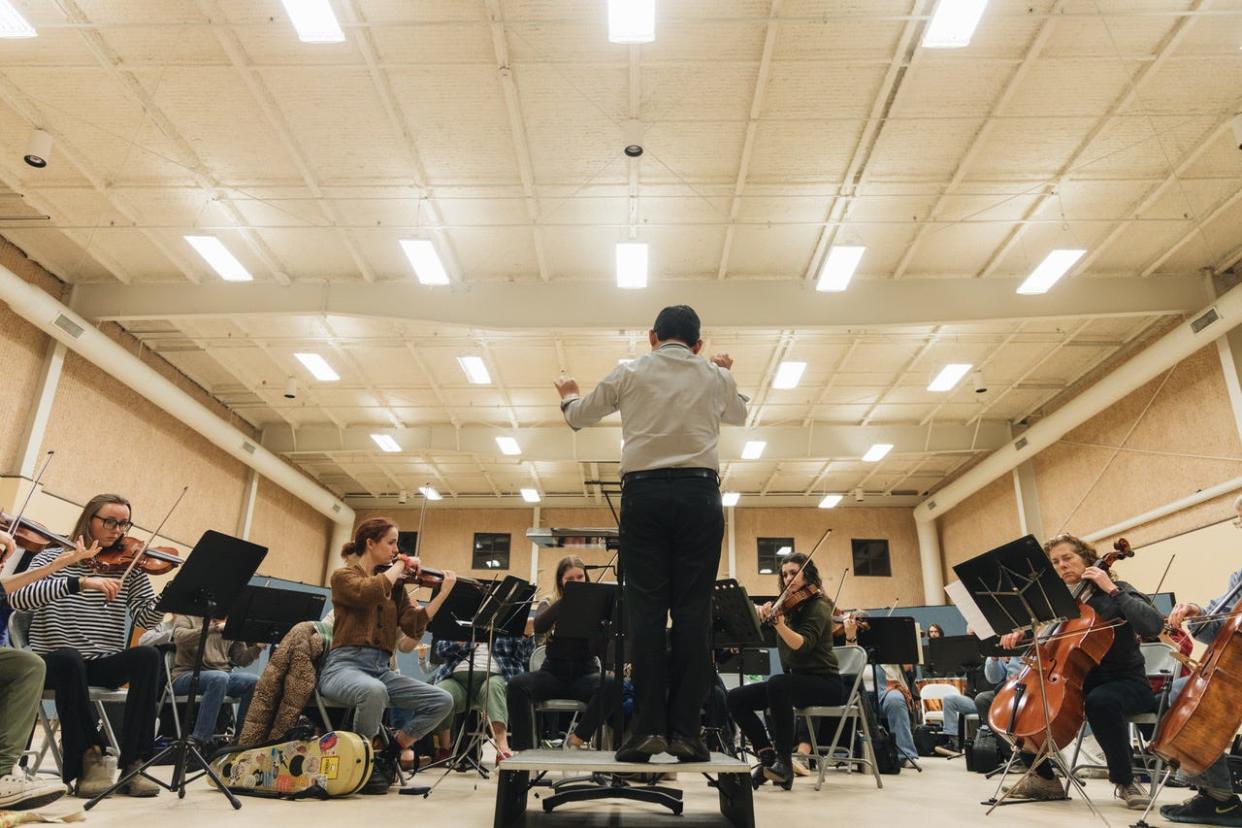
x=773 y=130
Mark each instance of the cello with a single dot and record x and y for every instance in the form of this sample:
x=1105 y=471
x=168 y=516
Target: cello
x=1198 y=727
x=1022 y=712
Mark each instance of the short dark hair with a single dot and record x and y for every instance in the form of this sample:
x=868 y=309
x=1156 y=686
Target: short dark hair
x=678 y=322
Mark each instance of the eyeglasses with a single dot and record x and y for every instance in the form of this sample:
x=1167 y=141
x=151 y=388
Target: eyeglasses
x=112 y=523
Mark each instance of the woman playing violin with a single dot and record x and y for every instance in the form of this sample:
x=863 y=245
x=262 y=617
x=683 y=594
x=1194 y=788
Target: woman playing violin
x=810 y=677
x=79 y=628
x=369 y=610
x=1115 y=689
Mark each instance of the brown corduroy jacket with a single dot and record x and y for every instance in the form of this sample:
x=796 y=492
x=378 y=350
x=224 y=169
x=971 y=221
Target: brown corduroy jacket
x=368 y=611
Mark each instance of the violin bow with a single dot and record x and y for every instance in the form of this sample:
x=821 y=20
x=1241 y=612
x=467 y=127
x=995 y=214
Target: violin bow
x=17 y=519
x=840 y=584
x=422 y=518
x=818 y=544
x=152 y=536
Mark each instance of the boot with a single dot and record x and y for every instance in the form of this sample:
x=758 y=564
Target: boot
x=383 y=774
x=780 y=772
x=96 y=774
x=139 y=785
x=767 y=758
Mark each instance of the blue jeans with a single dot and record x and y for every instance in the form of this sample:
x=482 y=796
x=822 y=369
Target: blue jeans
x=897 y=717
x=955 y=706
x=1216 y=778
x=360 y=677
x=213 y=686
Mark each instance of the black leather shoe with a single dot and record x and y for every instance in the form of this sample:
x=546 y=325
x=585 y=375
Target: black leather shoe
x=640 y=748
x=780 y=772
x=383 y=774
x=689 y=749
x=757 y=775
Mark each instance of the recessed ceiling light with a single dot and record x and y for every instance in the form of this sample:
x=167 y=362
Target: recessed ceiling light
x=425 y=261
x=730 y=498
x=1055 y=265
x=753 y=449
x=386 y=442
x=839 y=266
x=877 y=452
x=223 y=262
x=318 y=367
x=430 y=492
x=949 y=376
x=631 y=21
x=830 y=501
x=631 y=264
x=508 y=445
x=314 y=20
x=953 y=24
x=12 y=24
x=530 y=495
x=788 y=375
x=475 y=370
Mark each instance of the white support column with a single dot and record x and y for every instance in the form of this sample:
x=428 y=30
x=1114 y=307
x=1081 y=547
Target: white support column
x=28 y=450
x=247 y=515
x=730 y=525
x=1029 y=519
x=929 y=557
x=342 y=533
x=534 y=548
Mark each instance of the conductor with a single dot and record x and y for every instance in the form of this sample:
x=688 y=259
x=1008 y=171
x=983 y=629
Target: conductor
x=672 y=403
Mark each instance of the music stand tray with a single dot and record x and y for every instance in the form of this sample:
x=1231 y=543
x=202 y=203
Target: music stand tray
x=266 y=614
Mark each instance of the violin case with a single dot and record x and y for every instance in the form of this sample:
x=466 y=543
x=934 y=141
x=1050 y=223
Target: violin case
x=336 y=764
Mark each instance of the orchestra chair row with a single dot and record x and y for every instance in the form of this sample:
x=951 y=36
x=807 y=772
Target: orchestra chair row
x=851 y=661
x=573 y=707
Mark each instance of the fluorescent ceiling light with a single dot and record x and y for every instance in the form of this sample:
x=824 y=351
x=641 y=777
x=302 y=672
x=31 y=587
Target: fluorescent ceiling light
x=314 y=20
x=1055 y=265
x=386 y=442
x=508 y=445
x=430 y=492
x=949 y=376
x=221 y=260
x=319 y=367
x=839 y=266
x=753 y=449
x=784 y=552
x=953 y=24
x=475 y=370
x=12 y=24
x=730 y=498
x=530 y=495
x=877 y=452
x=631 y=21
x=425 y=261
x=788 y=375
x=631 y=264
x=830 y=500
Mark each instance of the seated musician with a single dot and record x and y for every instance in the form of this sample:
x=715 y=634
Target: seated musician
x=79 y=627
x=570 y=670
x=21 y=688
x=896 y=697
x=934 y=631
x=810 y=677
x=1115 y=689
x=368 y=610
x=218 y=678
x=1215 y=803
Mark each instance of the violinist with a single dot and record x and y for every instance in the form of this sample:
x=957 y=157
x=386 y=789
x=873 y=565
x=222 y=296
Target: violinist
x=21 y=686
x=369 y=610
x=79 y=627
x=1215 y=803
x=809 y=677
x=1117 y=687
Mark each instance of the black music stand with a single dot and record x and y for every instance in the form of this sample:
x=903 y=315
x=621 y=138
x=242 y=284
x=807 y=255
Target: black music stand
x=953 y=654
x=1016 y=588
x=890 y=640
x=266 y=614
x=207 y=585
x=736 y=626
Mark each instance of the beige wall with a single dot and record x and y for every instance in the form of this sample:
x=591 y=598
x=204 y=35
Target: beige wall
x=981 y=522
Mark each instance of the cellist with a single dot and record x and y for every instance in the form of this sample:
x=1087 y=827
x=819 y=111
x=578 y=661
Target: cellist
x=1117 y=687
x=1215 y=803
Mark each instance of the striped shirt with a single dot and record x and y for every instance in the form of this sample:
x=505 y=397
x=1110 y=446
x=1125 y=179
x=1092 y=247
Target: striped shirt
x=66 y=616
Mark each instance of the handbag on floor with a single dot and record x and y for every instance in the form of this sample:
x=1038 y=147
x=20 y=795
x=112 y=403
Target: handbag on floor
x=336 y=764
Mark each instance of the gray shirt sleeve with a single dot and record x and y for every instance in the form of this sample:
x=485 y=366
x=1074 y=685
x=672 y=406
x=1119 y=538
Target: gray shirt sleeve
x=1207 y=631
x=734 y=403
x=605 y=399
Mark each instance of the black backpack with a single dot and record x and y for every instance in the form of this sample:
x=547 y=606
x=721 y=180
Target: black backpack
x=887 y=759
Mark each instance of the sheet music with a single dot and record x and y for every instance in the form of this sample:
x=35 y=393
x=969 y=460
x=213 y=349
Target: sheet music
x=965 y=603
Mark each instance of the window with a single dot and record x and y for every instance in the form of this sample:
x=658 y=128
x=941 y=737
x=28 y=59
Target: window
x=491 y=551
x=871 y=558
x=407 y=542
x=771 y=552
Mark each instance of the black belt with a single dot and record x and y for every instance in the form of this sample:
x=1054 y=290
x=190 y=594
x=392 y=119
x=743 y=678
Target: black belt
x=669 y=474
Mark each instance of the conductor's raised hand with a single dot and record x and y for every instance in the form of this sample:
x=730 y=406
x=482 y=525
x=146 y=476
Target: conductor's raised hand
x=567 y=387
x=722 y=360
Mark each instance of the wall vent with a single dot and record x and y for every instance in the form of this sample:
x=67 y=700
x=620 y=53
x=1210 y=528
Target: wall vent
x=1209 y=316
x=68 y=326
x=931 y=505
x=1021 y=444
x=248 y=447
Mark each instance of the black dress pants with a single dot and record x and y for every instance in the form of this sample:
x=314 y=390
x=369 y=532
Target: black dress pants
x=526 y=689
x=70 y=676
x=671 y=531
x=779 y=695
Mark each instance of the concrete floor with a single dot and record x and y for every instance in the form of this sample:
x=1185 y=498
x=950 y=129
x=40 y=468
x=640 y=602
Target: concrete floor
x=943 y=795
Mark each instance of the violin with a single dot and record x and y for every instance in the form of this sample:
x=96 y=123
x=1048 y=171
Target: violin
x=33 y=537
x=423 y=576
x=1075 y=649
x=788 y=601
x=838 y=623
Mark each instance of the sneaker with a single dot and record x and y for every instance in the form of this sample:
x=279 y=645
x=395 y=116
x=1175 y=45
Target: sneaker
x=19 y=792
x=801 y=765
x=139 y=785
x=1133 y=795
x=1205 y=810
x=1037 y=787
x=97 y=774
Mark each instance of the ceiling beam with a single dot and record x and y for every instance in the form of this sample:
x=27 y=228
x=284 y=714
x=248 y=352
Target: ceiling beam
x=781 y=305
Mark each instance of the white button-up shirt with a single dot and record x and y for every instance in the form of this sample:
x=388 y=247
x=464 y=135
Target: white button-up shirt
x=672 y=403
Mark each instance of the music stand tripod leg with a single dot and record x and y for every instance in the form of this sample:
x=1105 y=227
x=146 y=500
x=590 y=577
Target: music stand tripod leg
x=1155 y=794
